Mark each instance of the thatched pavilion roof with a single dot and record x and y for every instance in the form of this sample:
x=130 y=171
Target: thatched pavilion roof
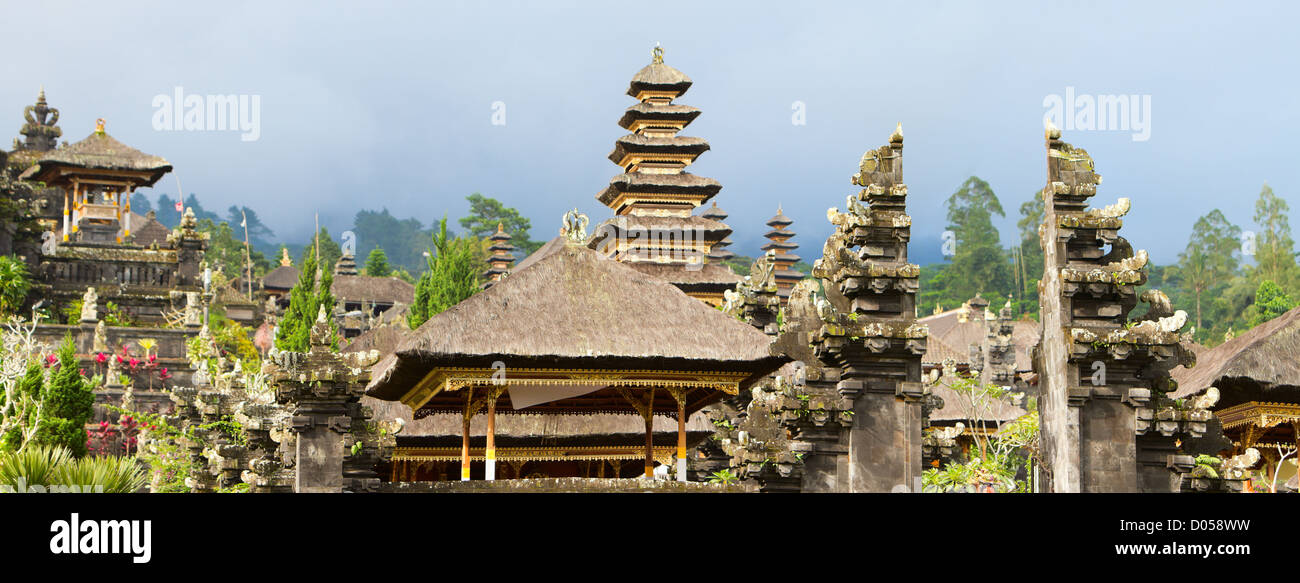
x=1260 y=364
x=574 y=308
x=282 y=277
x=659 y=77
x=365 y=288
x=99 y=151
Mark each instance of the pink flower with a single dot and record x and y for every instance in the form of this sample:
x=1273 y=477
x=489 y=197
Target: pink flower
x=134 y=362
x=50 y=359
x=101 y=358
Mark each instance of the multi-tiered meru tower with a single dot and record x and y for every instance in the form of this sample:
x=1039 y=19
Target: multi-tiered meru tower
x=503 y=256
x=653 y=229
x=784 y=259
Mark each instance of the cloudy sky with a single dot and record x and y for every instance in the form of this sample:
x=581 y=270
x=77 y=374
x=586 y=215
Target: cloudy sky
x=372 y=105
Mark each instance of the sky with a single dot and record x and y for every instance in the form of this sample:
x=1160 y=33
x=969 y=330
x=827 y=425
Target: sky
x=377 y=105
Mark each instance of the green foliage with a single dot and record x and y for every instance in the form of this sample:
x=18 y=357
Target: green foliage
x=404 y=241
x=29 y=389
x=115 y=474
x=980 y=264
x=33 y=465
x=454 y=274
x=68 y=404
x=723 y=476
x=305 y=301
x=14 y=285
x=1275 y=248
x=484 y=215
x=1210 y=258
x=328 y=254
x=226 y=250
x=377 y=263
x=1270 y=302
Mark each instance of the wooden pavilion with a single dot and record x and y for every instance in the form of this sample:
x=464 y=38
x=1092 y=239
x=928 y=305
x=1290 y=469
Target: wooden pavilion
x=1258 y=380
x=574 y=333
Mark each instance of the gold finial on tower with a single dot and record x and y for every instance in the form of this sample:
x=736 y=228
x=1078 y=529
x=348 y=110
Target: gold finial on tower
x=284 y=257
x=657 y=55
x=897 y=136
x=99 y=126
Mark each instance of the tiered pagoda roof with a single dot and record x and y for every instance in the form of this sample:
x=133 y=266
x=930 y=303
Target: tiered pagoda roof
x=784 y=261
x=346 y=265
x=719 y=252
x=653 y=229
x=503 y=255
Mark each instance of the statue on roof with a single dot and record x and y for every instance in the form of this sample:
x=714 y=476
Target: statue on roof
x=40 y=130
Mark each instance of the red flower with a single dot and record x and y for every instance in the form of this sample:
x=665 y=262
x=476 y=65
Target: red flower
x=101 y=358
x=50 y=359
x=134 y=362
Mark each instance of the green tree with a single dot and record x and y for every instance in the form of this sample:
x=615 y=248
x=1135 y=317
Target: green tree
x=1274 y=247
x=1210 y=258
x=305 y=301
x=980 y=264
x=259 y=235
x=14 y=285
x=1029 y=257
x=455 y=268
x=328 y=254
x=484 y=215
x=226 y=250
x=377 y=263
x=30 y=388
x=68 y=403
x=404 y=241
x=1270 y=302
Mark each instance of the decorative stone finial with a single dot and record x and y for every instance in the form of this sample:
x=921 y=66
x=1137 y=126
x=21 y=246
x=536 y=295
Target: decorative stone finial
x=897 y=136
x=575 y=227
x=1050 y=130
x=657 y=55
x=284 y=257
x=99 y=126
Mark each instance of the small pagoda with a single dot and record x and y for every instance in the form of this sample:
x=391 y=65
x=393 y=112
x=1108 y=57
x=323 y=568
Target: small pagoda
x=784 y=258
x=719 y=252
x=653 y=228
x=503 y=256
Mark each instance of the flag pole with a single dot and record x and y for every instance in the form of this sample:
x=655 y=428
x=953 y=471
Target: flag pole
x=248 y=256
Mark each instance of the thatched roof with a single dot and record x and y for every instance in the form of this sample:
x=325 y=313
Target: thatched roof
x=708 y=275
x=364 y=288
x=1260 y=364
x=384 y=339
x=99 y=151
x=659 y=77
x=575 y=308
x=645 y=111
x=282 y=277
x=639 y=144
x=683 y=183
x=951 y=338
x=147 y=230
x=544 y=251
x=955 y=406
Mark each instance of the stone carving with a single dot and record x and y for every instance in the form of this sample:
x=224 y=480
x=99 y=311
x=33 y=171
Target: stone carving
x=89 y=306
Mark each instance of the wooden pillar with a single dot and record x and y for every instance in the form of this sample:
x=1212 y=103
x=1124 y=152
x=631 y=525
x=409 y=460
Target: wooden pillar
x=464 y=435
x=649 y=447
x=67 y=211
x=126 y=214
x=490 y=452
x=679 y=395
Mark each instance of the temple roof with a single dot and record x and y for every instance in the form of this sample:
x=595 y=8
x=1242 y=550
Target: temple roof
x=576 y=308
x=950 y=337
x=684 y=182
x=644 y=111
x=779 y=221
x=710 y=274
x=282 y=277
x=660 y=77
x=639 y=144
x=1265 y=355
x=714 y=213
x=365 y=288
x=99 y=151
x=147 y=230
